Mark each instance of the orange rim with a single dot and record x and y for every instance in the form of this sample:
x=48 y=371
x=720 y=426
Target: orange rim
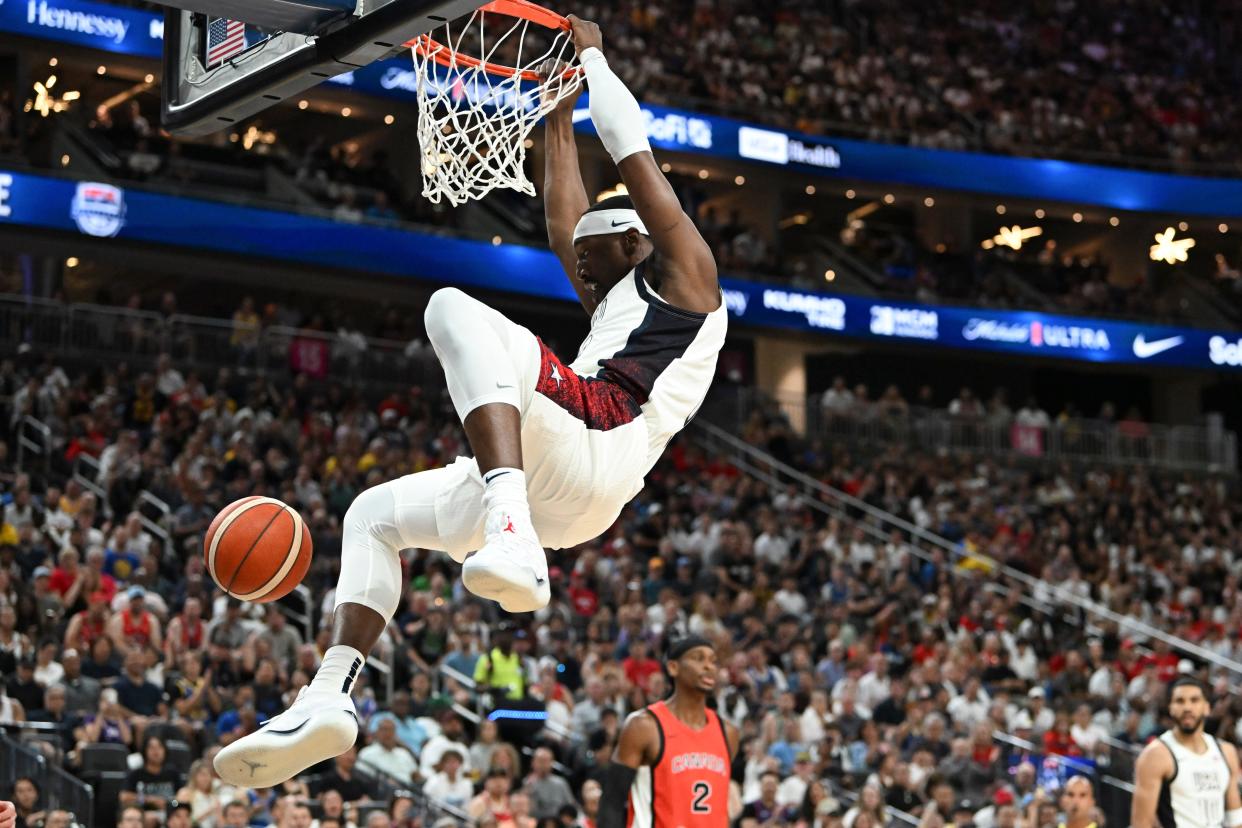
x=429 y=47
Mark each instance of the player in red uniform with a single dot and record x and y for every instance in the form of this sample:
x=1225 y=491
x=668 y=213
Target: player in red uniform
x=674 y=759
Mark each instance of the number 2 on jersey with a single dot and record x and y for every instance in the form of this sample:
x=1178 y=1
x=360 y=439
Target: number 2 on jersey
x=700 y=805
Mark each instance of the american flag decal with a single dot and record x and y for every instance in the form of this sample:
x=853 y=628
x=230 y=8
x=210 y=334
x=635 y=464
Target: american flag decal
x=225 y=38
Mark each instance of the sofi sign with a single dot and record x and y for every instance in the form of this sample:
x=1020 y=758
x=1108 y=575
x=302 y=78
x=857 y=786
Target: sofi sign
x=139 y=216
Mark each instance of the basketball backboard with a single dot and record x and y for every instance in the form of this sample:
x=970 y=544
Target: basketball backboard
x=225 y=60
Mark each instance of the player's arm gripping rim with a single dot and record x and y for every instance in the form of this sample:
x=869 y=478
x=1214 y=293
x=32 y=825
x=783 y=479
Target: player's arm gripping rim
x=688 y=275
x=564 y=196
x=1153 y=767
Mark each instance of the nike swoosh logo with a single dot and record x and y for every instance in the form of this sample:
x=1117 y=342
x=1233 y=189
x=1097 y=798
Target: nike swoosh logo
x=619 y=223
x=494 y=476
x=1144 y=349
x=289 y=732
x=499 y=384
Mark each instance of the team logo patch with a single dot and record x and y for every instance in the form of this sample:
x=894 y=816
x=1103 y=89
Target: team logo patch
x=98 y=209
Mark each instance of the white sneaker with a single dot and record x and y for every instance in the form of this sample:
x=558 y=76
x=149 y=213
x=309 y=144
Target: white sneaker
x=511 y=568
x=316 y=727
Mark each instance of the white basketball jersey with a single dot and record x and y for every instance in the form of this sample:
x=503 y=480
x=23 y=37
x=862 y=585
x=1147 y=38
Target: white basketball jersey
x=1194 y=797
x=662 y=356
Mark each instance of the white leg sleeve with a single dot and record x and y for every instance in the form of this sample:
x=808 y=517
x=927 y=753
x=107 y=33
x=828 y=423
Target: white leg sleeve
x=474 y=345
x=376 y=531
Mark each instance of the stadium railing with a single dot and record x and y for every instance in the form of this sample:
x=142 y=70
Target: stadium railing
x=59 y=790
x=1033 y=592
x=35 y=437
x=100 y=332
x=896 y=817
x=1080 y=440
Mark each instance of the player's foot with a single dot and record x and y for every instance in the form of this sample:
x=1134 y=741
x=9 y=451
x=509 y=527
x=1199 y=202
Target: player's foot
x=511 y=568
x=316 y=727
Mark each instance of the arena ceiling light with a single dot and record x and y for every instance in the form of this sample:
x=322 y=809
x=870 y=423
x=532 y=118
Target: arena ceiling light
x=618 y=189
x=45 y=101
x=1169 y=251
x=1012 y=237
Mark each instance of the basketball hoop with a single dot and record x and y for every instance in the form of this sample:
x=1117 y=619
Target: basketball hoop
x=475 y=111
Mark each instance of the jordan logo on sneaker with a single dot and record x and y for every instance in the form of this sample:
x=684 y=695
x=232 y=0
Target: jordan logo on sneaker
x=509 y=525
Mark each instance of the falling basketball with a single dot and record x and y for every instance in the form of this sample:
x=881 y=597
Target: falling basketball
x=257 y=549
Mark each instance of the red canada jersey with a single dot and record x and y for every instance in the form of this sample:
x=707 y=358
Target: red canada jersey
x=688 y=785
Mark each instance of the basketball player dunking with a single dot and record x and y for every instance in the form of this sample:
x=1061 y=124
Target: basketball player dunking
x=1186 y=778
x=559 y=448
x=674 y=758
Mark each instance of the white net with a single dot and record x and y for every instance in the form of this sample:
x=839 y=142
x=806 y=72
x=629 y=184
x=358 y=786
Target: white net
x=473 y=123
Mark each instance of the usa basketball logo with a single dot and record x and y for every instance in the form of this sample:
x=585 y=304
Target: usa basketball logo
x=98 y=209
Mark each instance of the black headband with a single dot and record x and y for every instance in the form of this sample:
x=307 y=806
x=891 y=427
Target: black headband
x=681 y=646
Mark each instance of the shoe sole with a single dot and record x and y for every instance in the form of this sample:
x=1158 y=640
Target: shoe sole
x=267 y=758
x=515 y=588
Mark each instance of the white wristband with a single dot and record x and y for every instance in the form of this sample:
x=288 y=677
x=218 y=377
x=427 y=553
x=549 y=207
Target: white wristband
x=1233 y=818
x=614 y=111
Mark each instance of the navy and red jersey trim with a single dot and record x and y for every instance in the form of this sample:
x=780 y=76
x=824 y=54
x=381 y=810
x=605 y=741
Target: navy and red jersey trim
x=602 y=405
x=664 y=335
x=615 y=396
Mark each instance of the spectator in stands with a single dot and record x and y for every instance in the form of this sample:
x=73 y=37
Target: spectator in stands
x=410 y=732
x=186 y=632
x=107 y=725
x=153 y=785
x=333 y=808
x=103 y=664
x=23 y=688
x=447 y=785
x=131 y=817
x=449 y=738
x=135 y=628
x=13 y=645
x=343 y=780
x=193 y=694
x=764 y=809
x=203 y=794
x=493 y=800
x=81 y=691
x=53 y=713
x=428 y=640
x=27 y=802
x=67 y=574
x=282 y=639
x=235 y=815
x=548 y=792
x=140 y=699
x=386 y=755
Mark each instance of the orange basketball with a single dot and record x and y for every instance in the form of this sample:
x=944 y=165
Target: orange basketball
x=257 y=549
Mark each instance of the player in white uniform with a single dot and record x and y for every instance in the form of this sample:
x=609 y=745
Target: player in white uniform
x=559 y=449
x=1186 y=778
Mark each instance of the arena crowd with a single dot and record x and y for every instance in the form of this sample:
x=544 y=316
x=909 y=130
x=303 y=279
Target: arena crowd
x=866 y=673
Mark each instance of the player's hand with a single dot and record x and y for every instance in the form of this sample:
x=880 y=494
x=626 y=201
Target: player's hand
x=8 y=814
x=551 y=76
x=586 y=34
